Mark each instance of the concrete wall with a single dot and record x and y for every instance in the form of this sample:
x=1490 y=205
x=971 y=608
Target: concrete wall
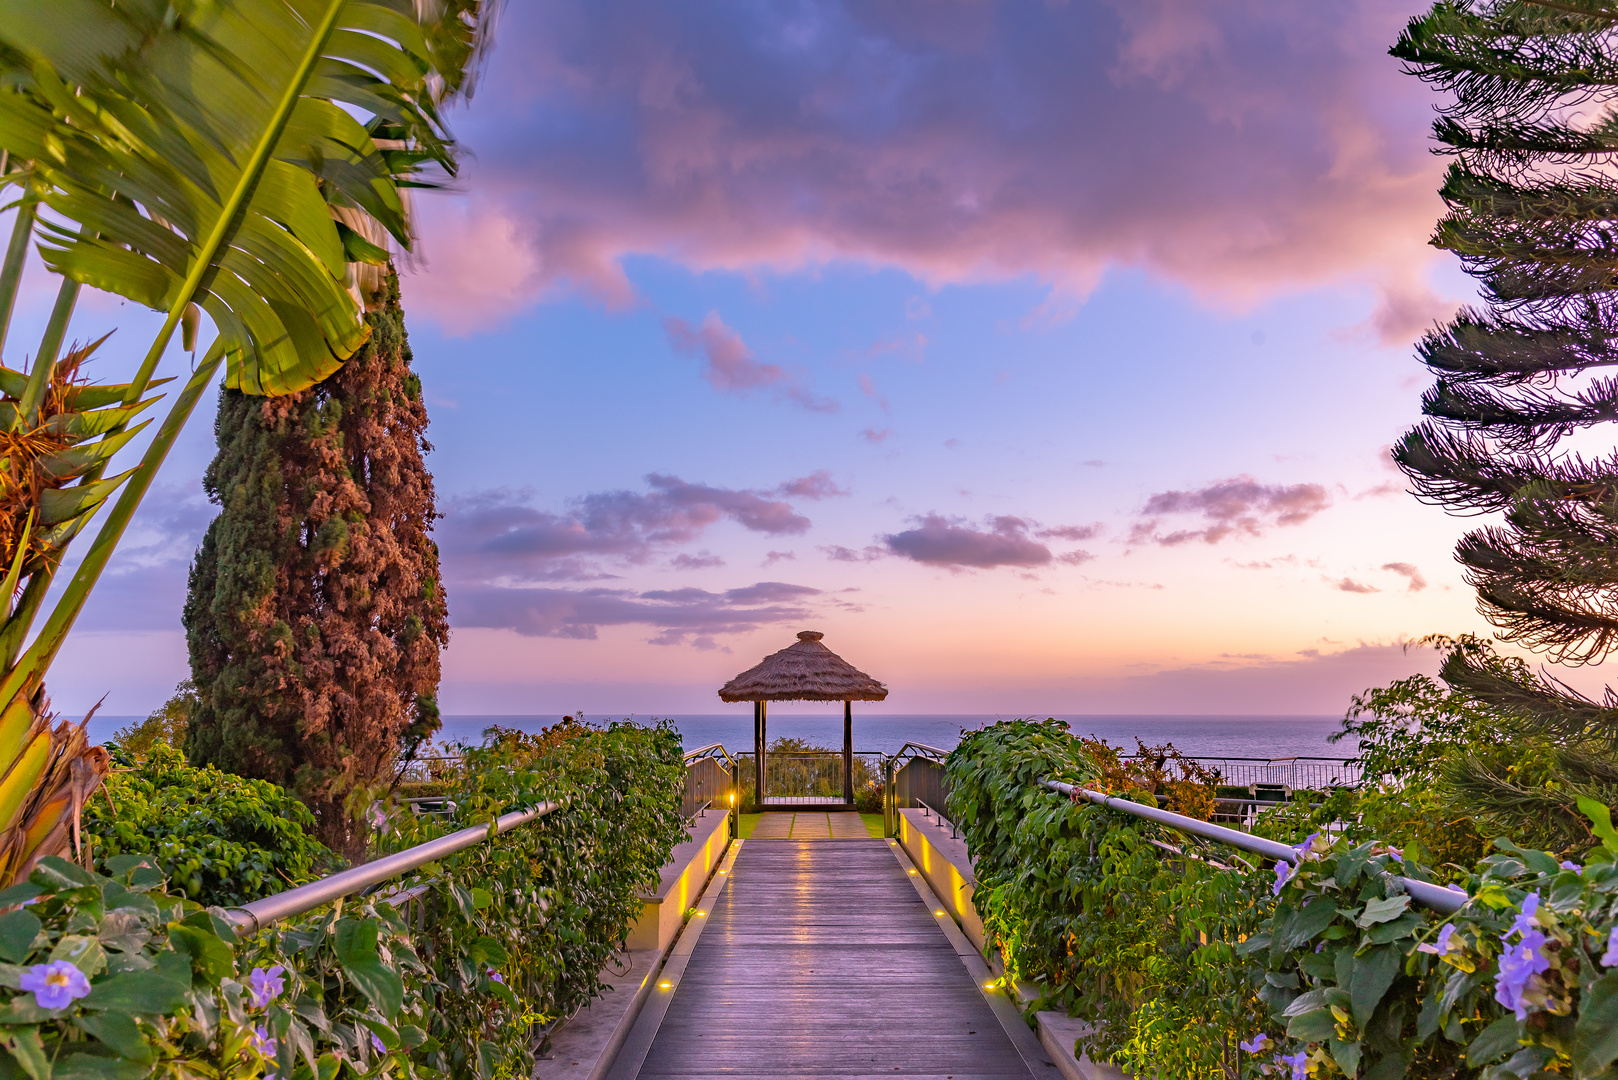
x=683 y=879
x=944 y=862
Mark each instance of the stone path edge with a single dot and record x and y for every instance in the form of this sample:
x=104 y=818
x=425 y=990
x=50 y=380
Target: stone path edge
x=661 y=984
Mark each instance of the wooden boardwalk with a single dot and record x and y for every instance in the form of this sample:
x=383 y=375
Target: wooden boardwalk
x=820 y=960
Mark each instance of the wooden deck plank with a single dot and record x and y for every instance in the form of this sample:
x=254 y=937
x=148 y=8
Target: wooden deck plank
x=820 y=960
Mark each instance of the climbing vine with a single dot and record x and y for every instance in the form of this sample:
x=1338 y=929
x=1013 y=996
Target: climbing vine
x=1190 y=961
x=453 y=971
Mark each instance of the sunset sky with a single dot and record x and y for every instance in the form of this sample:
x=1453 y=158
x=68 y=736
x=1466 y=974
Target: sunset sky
x=1044 y=356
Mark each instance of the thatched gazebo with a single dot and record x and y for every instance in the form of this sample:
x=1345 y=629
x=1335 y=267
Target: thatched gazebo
x=803 y=671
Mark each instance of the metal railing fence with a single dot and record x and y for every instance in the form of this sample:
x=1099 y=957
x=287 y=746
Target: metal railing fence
x=913 y=776
x=1292 y=773
x=710 y=780
x=807 y=776
x=1440 y=899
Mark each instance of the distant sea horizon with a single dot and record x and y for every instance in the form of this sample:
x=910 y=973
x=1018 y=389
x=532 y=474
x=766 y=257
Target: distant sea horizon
x=1233 y=735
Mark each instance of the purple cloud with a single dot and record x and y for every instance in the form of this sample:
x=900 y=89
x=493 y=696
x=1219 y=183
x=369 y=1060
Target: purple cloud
x=702 y=560
x=939 y=541
x=730 y=367
x=875 y=436
x=952 y=139
x=677 y=614
x=492 y=534
x=817 y=485
x=1409 y=573
x=1240 y=506
x=839 y=553
x=1070 y=532
x=1350 y=585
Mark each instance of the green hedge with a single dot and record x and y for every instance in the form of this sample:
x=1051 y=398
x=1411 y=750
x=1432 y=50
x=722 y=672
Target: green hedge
x=108 y=975
x=220 y=838
x=1206 y=964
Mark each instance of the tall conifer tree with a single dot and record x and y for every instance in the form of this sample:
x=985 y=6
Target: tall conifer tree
x=1516 y=415
x=315 y=615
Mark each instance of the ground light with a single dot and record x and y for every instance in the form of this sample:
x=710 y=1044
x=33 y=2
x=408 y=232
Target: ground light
x=665 y=985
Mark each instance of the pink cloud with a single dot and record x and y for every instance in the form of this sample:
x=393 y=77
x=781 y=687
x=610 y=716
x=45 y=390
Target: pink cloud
x=939 y=541
x=1238 y=506
x=1239 y=148
x=730 y=367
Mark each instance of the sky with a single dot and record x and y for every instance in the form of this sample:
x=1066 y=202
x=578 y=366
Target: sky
x=1044 y=356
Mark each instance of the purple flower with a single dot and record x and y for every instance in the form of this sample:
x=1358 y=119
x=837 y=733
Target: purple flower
x=1283 y=873
x=1524 y=922
x=376 y=1044
x=1452 y=887
x=55 y=985
x=262 y=1042
x=1299 y=1063
x=1259 y=1042
x=267 y=985
x=1520 y=964
x=1610 y=957
x=1441 y=945
x=1573 y=866
x=1308 y=846
x=1397 y=854
x=495 y=976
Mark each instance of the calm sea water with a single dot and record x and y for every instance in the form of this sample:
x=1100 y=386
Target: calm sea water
x=1200 y=736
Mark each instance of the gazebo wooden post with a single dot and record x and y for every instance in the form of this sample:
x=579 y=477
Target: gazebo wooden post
x=848 y=752
x=758 y=754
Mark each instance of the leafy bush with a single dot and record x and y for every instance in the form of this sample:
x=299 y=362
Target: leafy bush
x=545 y=906
x=222 y=839
x=1081 y=904
x=484 y=947
x=149 y=984
x=1522 y=982
x=1191 y=961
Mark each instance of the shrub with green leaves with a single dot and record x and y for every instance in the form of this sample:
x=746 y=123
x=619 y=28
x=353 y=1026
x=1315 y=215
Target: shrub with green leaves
x=515 y=933
x=1522 y=982
x=108 y=977
x=219 y=838
x=1083 y=906
x=1193 y=960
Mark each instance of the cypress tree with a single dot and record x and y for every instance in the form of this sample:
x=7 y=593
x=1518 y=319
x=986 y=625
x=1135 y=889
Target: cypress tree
x=315 y=615
x=1513 y=418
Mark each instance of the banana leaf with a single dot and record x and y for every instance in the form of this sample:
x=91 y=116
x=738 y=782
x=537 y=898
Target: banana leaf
x=198 y=158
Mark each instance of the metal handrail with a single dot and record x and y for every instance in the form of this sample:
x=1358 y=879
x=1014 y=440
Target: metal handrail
x=284 y=905
x=1442 y=900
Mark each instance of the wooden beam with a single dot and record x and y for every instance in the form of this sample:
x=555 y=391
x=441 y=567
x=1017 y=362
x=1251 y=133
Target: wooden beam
x=848 y=752
x=758 y=755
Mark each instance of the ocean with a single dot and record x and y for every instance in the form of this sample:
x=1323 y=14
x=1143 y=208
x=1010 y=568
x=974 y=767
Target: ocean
x=1197 y=736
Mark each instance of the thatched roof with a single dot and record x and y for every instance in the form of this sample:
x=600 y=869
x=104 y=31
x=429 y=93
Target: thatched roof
x=803 y=671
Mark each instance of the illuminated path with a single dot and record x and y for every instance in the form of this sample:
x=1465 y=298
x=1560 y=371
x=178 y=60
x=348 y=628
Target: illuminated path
x=820 y=959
